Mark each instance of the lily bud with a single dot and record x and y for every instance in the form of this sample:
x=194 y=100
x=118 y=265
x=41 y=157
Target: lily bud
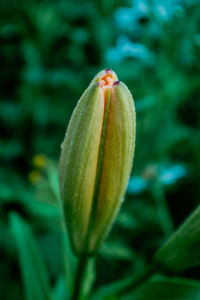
x=96 y=160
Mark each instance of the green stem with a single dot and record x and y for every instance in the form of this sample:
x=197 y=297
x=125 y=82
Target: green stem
x=138 y=280
x=162 y=208
x=79 y=277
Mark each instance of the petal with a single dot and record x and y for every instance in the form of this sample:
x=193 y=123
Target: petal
x=117 y=161
x=102 y=74
x=78 y=162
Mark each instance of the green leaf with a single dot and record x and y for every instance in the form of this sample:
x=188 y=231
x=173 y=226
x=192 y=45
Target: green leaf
x=108 y=291
x=31 y=262
x=116 y=250
x=164 y=288
x=60 y=291
x=181 y=250
x=159 y=288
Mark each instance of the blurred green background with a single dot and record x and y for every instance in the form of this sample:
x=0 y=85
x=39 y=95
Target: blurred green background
x=49 y=52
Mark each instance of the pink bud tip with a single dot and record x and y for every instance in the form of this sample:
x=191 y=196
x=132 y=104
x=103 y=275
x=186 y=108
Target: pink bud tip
x=108 y=70
x=116 y=82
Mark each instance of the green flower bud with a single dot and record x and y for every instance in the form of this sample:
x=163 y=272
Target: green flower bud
x=96 y=160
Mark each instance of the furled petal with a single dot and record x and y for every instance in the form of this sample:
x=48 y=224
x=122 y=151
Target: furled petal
x=117 y=161
x=78 y=162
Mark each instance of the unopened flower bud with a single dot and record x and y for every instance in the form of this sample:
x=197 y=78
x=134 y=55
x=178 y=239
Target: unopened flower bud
x=96 y=160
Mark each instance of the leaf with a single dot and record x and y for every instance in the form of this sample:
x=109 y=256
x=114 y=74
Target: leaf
x=60 y=291
x=181 y=250
x=108 y=291
x=165 y=288
x=159 y=288
x=116 y=250
x=33 y=270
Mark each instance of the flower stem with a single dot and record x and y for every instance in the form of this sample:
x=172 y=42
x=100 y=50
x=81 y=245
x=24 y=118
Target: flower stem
x=162 y=208
x=79 y=277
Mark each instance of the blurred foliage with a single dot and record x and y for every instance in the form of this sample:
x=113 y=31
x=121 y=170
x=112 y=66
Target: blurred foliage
x=49 y=52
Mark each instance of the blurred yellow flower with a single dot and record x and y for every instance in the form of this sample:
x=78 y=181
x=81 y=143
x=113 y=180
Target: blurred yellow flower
x=39 y=161
x=34 y=176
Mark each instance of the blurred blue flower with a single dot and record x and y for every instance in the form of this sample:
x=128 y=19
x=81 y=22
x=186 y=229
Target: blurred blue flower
x=166 y=10
x=113 y=55
x=125 y=48
x=124 y=17
x=161 y=12
x=172 y=174
x=136 y=185
x=167 y=175
x=141 y=6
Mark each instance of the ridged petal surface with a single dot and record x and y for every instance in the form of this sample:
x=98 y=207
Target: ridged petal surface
x=78 y=162
x=117 y=161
